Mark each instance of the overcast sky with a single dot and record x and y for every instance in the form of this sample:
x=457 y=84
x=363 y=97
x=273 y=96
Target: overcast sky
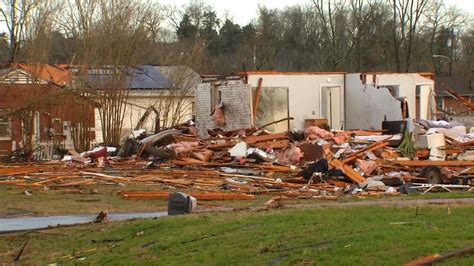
x=243 y=11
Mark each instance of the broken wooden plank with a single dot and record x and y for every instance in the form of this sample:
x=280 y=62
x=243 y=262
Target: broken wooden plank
x=221 y=145
x=197 y=195
x=248 y=176
x=457 y=143
x=12 y=182
x=276 y=144
x=187 y=161
x=419 y=163
x=254 y=139
x=375 y=146
x=104 y=176
x=76 y=183
x=184 y=137
x=351 y=173
x=41 y=183
x=256 y=100
x=19 y=170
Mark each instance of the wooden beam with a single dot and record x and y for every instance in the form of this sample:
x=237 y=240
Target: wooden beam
x=254 y=139
x=198 y=195
x=20 y=170
x=348 y=171
x=277 y=144
x=375 y=146
x=418 y=163
x=256 y=100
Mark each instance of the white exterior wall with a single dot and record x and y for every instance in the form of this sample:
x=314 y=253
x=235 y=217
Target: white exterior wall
x=366 y=106
x=407 y=83
x=133 y=112
x=304 y=92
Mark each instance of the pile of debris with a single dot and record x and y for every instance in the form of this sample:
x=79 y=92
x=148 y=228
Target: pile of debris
x=314 y=163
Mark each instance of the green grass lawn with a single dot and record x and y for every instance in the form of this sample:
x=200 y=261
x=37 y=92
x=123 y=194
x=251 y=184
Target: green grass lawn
x=14 y=202
x=323 y=236
x=414 y=196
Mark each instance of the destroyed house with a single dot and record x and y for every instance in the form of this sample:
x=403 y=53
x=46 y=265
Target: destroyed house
x=341 y=100
x=36 y=109
x=155 y=96
x=375 y=97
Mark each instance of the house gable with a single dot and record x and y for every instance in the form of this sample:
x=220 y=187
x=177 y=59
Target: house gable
x=18 y=76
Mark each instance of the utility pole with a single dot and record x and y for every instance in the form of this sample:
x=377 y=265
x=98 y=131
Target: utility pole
x=451 y=52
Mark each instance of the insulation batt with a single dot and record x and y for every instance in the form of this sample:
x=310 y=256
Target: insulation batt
x=315 y=132
x=291 y=155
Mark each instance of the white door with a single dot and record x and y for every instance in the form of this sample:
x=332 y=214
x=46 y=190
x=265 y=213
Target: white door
x=331 y=106
x=424 y=95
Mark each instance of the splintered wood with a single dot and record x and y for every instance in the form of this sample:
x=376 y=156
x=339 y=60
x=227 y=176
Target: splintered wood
x=205 y=182
x=242 y=163
x=197 y=195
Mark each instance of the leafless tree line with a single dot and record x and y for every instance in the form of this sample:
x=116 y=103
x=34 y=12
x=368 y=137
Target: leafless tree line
x=112 y=37
x=108 y=39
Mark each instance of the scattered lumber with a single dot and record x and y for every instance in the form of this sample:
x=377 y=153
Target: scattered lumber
x=18 y=170
x=375 y=146
x=198 y=195
x=254 y=139
x=351 y=173
x=419 y=163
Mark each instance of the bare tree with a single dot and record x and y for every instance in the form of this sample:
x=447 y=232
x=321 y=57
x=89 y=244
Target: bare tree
x=363 y=22
x=37 y=44
x=17 y=18
x=179 y=59
x=112 y=37
x=334 y=25
x=406 y=18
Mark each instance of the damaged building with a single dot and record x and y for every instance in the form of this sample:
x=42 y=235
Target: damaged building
x=375 y=97
x=156 y=97
x=341 y=100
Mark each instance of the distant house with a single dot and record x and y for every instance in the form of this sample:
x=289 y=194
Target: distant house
x=451 y=107
x=35 y=109
x=168 y=90
x=462 y=85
